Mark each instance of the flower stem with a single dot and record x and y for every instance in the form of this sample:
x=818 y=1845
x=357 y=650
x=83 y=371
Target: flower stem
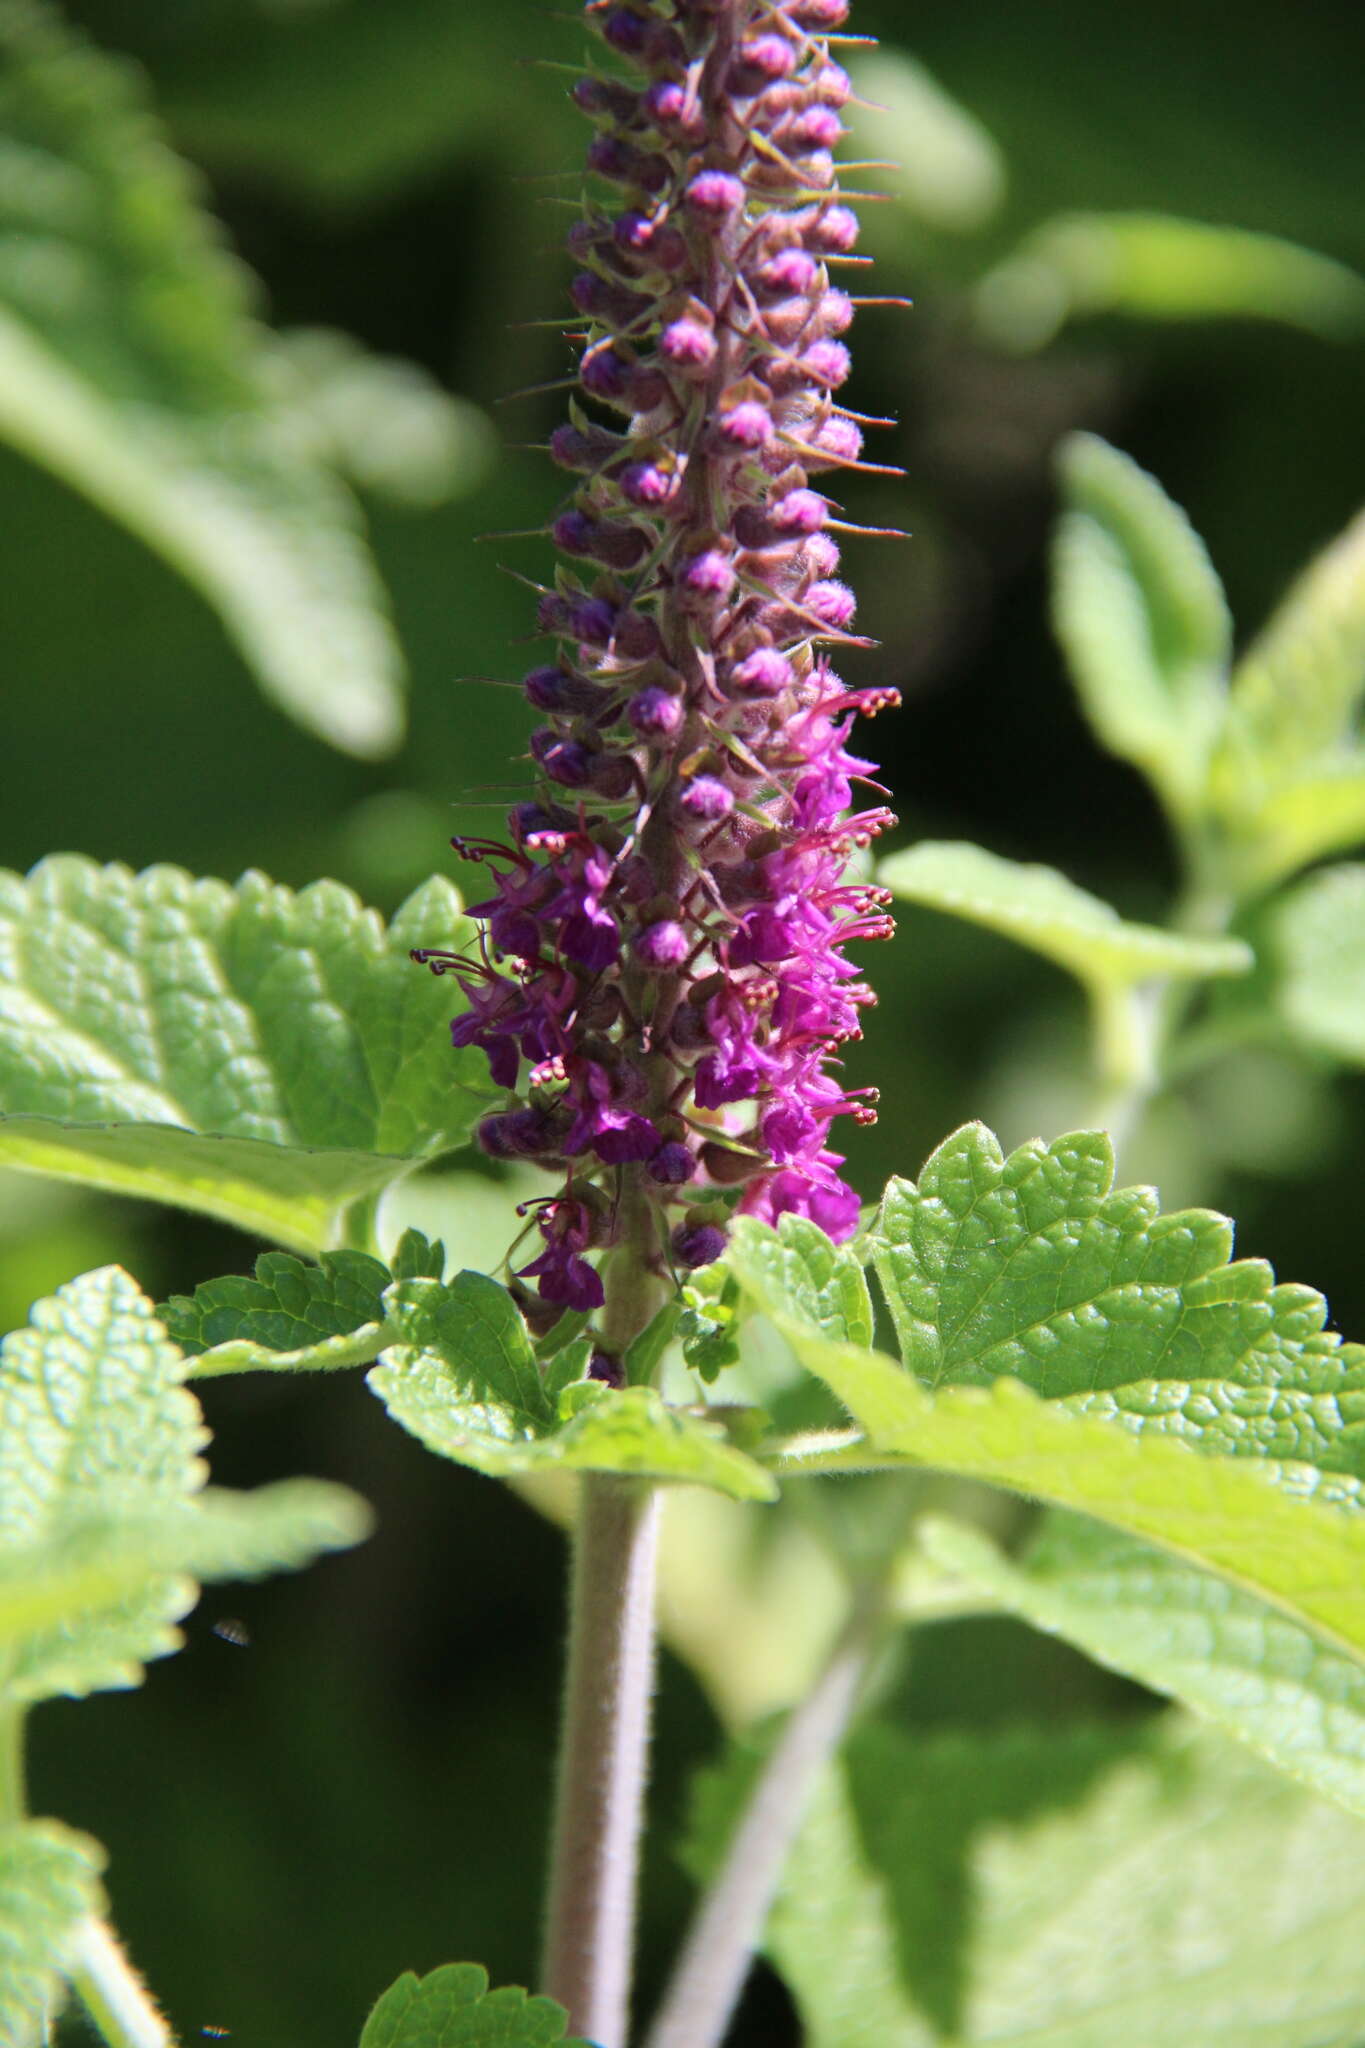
x=604 y=1745
x=729 y=1923
x=112 y=1993
x=11 y=1764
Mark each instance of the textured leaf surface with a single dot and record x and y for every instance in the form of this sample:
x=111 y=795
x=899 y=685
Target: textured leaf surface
x=49 y=1882
x=1142 y=618
x=129 y=365
x=1279 y=1529
x=477 y=1331
x=1040 y=908
x=445 y=1401
x=265 y=1056
x=799 y=1270
x=1239 y=1663
x=290 y=1316
x=1033 y=1266
x=454 y=2008
x=1154 y=266
x=101 y=1513
x=1065 y=1889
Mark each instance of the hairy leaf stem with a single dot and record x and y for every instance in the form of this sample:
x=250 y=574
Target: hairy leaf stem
x=1135 y=1028
x=729 y=1922
x=11 y=1765
x=609 y=1681
x=603 y=1756
x=111 y=1991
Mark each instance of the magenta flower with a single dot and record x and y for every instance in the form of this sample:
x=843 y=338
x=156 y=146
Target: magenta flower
x=662 y=987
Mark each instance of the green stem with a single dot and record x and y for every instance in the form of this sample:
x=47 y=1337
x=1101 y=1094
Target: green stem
x=729 y=1922
x=12 y=1800
x=604 y=1746
x=112 y=1993
x=1127 y=1036
x=356 y=1231
x=604 y=1741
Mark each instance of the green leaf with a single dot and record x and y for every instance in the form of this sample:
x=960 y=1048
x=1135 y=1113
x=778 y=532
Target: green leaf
x=130 y=366
x=101 y=1513
x=708 y=1327
x=1312 y=954
x=1154 y=266
x=645 y=1355
x=1298 y=687
x=1083 y=1346
x=1064 y=1888
x=944 y=170
x=630 y=1430
x=1034 y=1267
x=290 y=1314
x=1289 y=778
x=1142 y=618
x=453 y=2008
x=90 y=1564
x=798 y=1270
x=1252 y=1671
x=1277 y=1528
x=265 y=1056
x=49 y=1883
x=1318 y=812
x=475 y=1329
x=384 y=422
x=1040 y=908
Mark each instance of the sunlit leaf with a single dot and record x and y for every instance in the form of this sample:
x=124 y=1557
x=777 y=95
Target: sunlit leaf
x=265 y=1056
x=1290 y=777
x=1312 y=948
x=1062 y=1888
x=799 y=1271
x=102 y=1514
x=49 y=1883
x=473 y=1400
x=1235 y=1660
x=944 y=170
x=1153 y=266
x=1142 y=618
x=1040 y=908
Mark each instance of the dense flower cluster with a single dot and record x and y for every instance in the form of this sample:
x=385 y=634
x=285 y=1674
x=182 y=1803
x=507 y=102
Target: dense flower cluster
x=662 y=982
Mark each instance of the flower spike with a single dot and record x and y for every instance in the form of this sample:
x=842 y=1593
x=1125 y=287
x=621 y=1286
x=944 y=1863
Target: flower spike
x=663 y=983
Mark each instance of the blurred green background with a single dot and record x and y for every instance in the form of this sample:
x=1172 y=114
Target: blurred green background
x=360 y=1785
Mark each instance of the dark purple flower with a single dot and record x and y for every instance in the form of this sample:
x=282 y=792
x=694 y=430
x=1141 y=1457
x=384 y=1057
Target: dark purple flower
x=662 y=973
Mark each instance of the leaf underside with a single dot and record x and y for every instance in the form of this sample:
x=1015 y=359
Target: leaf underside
x=1063 y=1888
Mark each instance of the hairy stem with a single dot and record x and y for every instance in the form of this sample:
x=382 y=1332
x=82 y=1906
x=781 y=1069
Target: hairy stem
x=113 y=1994
x=604 y=1745
x=729 y=1922
x=11 y=1765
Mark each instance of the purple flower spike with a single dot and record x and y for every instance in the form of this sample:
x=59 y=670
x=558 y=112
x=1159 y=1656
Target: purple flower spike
x=661 y=983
